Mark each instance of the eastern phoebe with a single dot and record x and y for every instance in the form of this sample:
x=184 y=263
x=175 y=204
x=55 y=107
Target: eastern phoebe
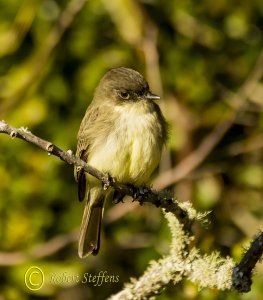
x=122 y=133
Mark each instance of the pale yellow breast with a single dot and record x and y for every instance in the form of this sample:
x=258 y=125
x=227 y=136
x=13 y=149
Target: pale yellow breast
x=132 y=150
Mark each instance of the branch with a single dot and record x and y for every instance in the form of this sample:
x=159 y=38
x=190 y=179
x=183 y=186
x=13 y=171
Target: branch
x=211 y=270
x=242 y=273
x=40 y=251
x=141 y=194
x=44 y=51
x=195 y=158
x=206 y=271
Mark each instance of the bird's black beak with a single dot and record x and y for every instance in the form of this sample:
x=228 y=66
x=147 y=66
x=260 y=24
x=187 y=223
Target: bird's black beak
x=150 y=96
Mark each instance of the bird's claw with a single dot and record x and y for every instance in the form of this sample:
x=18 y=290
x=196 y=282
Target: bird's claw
x=140 y=193
x=108 y=180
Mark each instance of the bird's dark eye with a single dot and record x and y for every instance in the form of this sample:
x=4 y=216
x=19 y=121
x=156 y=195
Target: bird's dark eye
x=125 y=95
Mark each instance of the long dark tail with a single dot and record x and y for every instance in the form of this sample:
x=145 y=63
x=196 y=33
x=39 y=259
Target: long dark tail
x=89 y=241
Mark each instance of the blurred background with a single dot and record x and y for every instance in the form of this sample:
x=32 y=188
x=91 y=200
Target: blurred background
x=205 y=59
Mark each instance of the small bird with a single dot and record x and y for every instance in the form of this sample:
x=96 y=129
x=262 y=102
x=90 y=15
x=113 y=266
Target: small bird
x=122 y=134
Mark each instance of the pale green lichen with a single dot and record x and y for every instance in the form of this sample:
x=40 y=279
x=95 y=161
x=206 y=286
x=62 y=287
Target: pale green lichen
x=24 y=129
x=211 y=271
x=180 y=238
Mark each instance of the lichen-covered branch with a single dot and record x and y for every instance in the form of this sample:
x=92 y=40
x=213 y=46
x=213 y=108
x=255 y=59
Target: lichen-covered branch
x=211 y=270
x=207 y=270
x=242 y=273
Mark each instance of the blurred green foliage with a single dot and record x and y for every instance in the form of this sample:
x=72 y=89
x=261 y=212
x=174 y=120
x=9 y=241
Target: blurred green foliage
x=196 y=54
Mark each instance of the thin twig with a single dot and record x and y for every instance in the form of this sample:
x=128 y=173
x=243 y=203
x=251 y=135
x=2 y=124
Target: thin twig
x=195 y=158
x=150 y=283
x=45 y=50
x=151 y=56
x=250 y=144
x=140 y=194
x=40 y=251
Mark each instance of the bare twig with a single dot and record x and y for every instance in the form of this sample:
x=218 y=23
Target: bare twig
x=151 y=56
x=194 y=159
x=182 y=261
x=45 y=50
x=140 y=194
x=40 y=251
x=250 y=144
x=13 y=38
x=196 y=30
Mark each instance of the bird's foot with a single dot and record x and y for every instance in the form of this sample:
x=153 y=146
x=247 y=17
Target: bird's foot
x=140 y=193
x=118 y=197
x=108 y=180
